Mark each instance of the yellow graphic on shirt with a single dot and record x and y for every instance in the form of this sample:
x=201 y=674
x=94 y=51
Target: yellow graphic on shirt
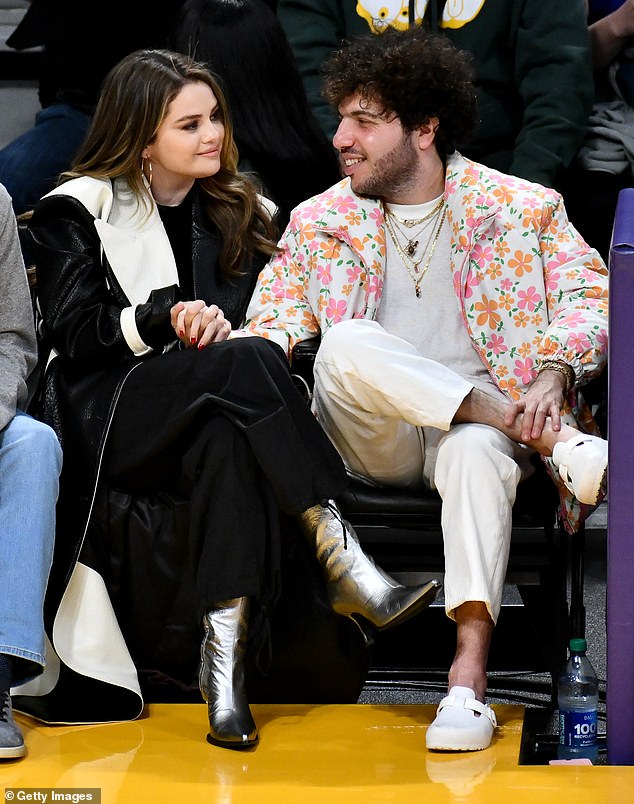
x=459 y=12
x=383 y=14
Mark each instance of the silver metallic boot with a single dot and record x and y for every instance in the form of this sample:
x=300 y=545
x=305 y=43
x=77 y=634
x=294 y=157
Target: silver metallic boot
x=221 y=676
x=355 y=584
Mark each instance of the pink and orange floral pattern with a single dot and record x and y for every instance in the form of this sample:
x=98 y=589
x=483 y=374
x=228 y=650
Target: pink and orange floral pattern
x=530 y=288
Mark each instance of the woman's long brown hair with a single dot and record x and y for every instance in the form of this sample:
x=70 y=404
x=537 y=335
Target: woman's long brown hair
x=133 y=103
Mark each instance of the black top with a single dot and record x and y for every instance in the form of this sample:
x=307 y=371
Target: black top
x=178 y=225
x=201 y=246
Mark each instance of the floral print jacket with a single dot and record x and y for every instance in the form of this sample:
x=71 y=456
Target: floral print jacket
x=529 y=286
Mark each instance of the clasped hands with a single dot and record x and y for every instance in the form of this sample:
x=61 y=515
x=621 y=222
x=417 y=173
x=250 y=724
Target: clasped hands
x=543 y=400
x=198 y=325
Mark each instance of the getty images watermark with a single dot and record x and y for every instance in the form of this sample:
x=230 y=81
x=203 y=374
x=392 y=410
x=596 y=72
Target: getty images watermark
x=45 y=795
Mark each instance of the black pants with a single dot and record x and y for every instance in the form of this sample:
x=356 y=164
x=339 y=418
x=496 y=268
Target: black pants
x=226 y=429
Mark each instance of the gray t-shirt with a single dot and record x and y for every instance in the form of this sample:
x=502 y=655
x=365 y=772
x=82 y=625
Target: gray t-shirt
x=433 y=323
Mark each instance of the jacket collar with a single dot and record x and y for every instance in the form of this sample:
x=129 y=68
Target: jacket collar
x=132 y=235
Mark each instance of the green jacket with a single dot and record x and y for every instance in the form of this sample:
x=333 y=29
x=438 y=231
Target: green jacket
x=532 y=63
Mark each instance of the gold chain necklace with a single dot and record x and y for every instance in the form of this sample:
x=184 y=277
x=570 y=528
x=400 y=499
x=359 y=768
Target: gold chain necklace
x=407 y=260
x=408 y=252
x=409 y=222
x=413 y=241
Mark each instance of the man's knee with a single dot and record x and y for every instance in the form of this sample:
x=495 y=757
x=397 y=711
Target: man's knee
x=34 y=439
x=479 y=449
x=23 y=427
x=341 y=342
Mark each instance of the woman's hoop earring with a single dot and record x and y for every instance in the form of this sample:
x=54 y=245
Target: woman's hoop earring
x=147 y=175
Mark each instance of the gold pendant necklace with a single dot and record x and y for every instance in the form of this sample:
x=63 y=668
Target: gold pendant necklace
x=416 y=277
x=409 y=222
x=412 y=242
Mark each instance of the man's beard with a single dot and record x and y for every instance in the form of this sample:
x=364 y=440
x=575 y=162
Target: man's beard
x=392 y=173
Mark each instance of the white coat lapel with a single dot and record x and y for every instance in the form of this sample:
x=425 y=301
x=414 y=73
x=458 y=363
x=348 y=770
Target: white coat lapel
x=141 y=261
x=134 y=242
x=137 y=246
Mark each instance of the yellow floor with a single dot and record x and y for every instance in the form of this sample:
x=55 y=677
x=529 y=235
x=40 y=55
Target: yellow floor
x=326 y=754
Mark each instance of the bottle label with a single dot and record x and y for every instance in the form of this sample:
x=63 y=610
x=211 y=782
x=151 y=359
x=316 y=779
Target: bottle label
x=577 y=729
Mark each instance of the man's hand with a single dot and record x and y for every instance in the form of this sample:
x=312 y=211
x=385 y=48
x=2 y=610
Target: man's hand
x=544 y=399
x=198 y=325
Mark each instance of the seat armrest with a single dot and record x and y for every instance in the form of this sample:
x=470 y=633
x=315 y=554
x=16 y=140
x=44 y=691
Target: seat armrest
x=303 y=360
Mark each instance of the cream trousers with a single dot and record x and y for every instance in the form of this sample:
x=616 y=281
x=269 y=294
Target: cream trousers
x=388 y=410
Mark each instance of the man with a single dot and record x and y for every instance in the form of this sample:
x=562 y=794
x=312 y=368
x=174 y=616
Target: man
x=30 y=463
x=458 y=311
x=532 y=69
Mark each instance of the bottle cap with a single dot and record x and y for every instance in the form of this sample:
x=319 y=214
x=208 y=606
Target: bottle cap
x=578 y=645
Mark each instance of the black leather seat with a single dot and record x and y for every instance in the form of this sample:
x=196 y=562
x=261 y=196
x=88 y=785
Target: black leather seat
x=401 y=530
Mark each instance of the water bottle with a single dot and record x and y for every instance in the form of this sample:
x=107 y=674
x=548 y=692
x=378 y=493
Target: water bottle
x=578 y=699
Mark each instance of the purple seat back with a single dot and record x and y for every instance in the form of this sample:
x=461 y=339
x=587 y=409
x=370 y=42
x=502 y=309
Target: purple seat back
x=620 y=580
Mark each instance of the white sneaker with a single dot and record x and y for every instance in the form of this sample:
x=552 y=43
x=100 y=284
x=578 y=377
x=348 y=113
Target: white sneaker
x=462 y=723
x=582 y=463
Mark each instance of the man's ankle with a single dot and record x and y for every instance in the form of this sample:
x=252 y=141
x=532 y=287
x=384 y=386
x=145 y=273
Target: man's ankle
x=6 y=672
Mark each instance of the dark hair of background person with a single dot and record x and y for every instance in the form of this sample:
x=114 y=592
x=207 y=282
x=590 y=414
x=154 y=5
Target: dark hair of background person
x=80 y=43
x=277 y=136
x=416 y=74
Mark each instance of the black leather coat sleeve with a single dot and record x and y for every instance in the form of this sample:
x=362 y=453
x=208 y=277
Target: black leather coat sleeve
x=79 y=296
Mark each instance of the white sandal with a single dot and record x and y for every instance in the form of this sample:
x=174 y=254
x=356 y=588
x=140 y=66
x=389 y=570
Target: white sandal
x=462 y=723
x=582 y=463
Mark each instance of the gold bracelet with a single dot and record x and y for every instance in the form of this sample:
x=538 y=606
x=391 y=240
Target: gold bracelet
x=562 y=368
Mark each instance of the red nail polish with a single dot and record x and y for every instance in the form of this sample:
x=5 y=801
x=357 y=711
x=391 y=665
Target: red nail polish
x=201 y=345
x=192 y=340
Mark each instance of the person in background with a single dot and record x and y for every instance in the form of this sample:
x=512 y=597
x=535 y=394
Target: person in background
x=77 y=52
x=533 y=73
x=277 y=136
x=30 y=464
x=147 y=253
x=459 y=313
x=604 y=164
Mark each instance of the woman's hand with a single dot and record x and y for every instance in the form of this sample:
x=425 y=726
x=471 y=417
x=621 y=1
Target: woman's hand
x=197 y=325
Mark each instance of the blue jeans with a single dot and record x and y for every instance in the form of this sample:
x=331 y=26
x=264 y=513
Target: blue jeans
x=30 y=463
x=31 y=163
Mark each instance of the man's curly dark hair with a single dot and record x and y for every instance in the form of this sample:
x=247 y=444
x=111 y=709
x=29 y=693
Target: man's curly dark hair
x=415 y=73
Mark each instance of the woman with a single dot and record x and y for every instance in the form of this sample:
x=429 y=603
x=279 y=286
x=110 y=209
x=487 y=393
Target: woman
x=147 y=253
x=278 y=139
